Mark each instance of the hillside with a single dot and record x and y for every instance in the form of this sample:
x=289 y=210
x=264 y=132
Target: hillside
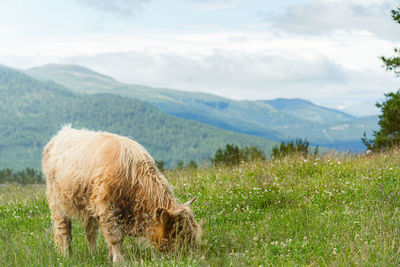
x=32 y=111
x=279 y=119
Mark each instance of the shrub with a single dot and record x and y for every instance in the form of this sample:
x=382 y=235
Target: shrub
x=192 y=165
x=160 y=165
x=233 y=155
x=290 y=148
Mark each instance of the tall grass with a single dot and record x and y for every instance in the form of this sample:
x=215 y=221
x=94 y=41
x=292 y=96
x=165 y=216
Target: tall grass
x=330 y=210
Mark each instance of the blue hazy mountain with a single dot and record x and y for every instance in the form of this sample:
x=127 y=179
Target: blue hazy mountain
x=278 y=119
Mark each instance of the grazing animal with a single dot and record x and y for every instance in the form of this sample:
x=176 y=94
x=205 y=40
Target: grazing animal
x=111 y=182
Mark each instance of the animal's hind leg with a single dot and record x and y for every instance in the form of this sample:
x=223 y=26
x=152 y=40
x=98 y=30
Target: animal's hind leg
x=91 y=228
x=63 y=234
x=61 y=223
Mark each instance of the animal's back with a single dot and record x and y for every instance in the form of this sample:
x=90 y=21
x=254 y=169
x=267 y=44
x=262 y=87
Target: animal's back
x=75 y=154
x=78 y=162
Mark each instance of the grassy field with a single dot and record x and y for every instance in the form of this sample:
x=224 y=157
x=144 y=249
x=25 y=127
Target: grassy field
x=334 y=210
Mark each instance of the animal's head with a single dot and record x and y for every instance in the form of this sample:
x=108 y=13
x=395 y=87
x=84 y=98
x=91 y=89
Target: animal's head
x=176 y=228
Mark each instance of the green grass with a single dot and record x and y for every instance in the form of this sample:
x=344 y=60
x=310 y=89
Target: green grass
x=341 y=210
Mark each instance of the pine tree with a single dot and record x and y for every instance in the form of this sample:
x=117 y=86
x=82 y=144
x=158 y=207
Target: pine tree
x=393 y=63
x=389 y=120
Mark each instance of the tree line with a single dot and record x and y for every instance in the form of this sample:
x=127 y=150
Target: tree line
x=26 y=176
x=229 y=155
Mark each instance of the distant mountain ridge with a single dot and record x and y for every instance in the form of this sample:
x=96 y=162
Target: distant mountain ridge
x=305 y=109
x=278 y=119
x=31 y=111
x=67 y=73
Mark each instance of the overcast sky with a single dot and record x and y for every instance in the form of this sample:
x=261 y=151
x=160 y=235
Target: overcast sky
x=326 y=51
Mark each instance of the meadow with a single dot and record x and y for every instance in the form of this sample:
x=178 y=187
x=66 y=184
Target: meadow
x=326 y=210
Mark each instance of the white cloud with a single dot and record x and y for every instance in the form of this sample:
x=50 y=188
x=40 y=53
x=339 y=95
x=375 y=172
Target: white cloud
x=323 y=16
x=129 y=8
x=217 y=4
x=120 y=7
x=354 y=50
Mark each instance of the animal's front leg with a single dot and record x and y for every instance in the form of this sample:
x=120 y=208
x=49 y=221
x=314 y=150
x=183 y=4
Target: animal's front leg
x=114 y=236
x=115 y=253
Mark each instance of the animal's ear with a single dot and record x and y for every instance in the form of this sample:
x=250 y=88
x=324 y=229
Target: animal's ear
x=178 y=213
x=187 y=204
x=162 y=215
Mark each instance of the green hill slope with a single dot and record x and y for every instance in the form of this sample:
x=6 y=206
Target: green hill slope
x=239 y=116
x=279 y=119
x=32 y=111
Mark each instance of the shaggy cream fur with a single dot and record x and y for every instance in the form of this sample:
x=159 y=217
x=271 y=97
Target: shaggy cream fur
x=111 y=182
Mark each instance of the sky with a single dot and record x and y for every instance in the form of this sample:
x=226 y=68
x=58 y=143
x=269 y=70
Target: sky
x=326 y=51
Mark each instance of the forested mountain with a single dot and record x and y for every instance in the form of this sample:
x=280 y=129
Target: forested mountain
x=279 y=119
x=32 y=111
